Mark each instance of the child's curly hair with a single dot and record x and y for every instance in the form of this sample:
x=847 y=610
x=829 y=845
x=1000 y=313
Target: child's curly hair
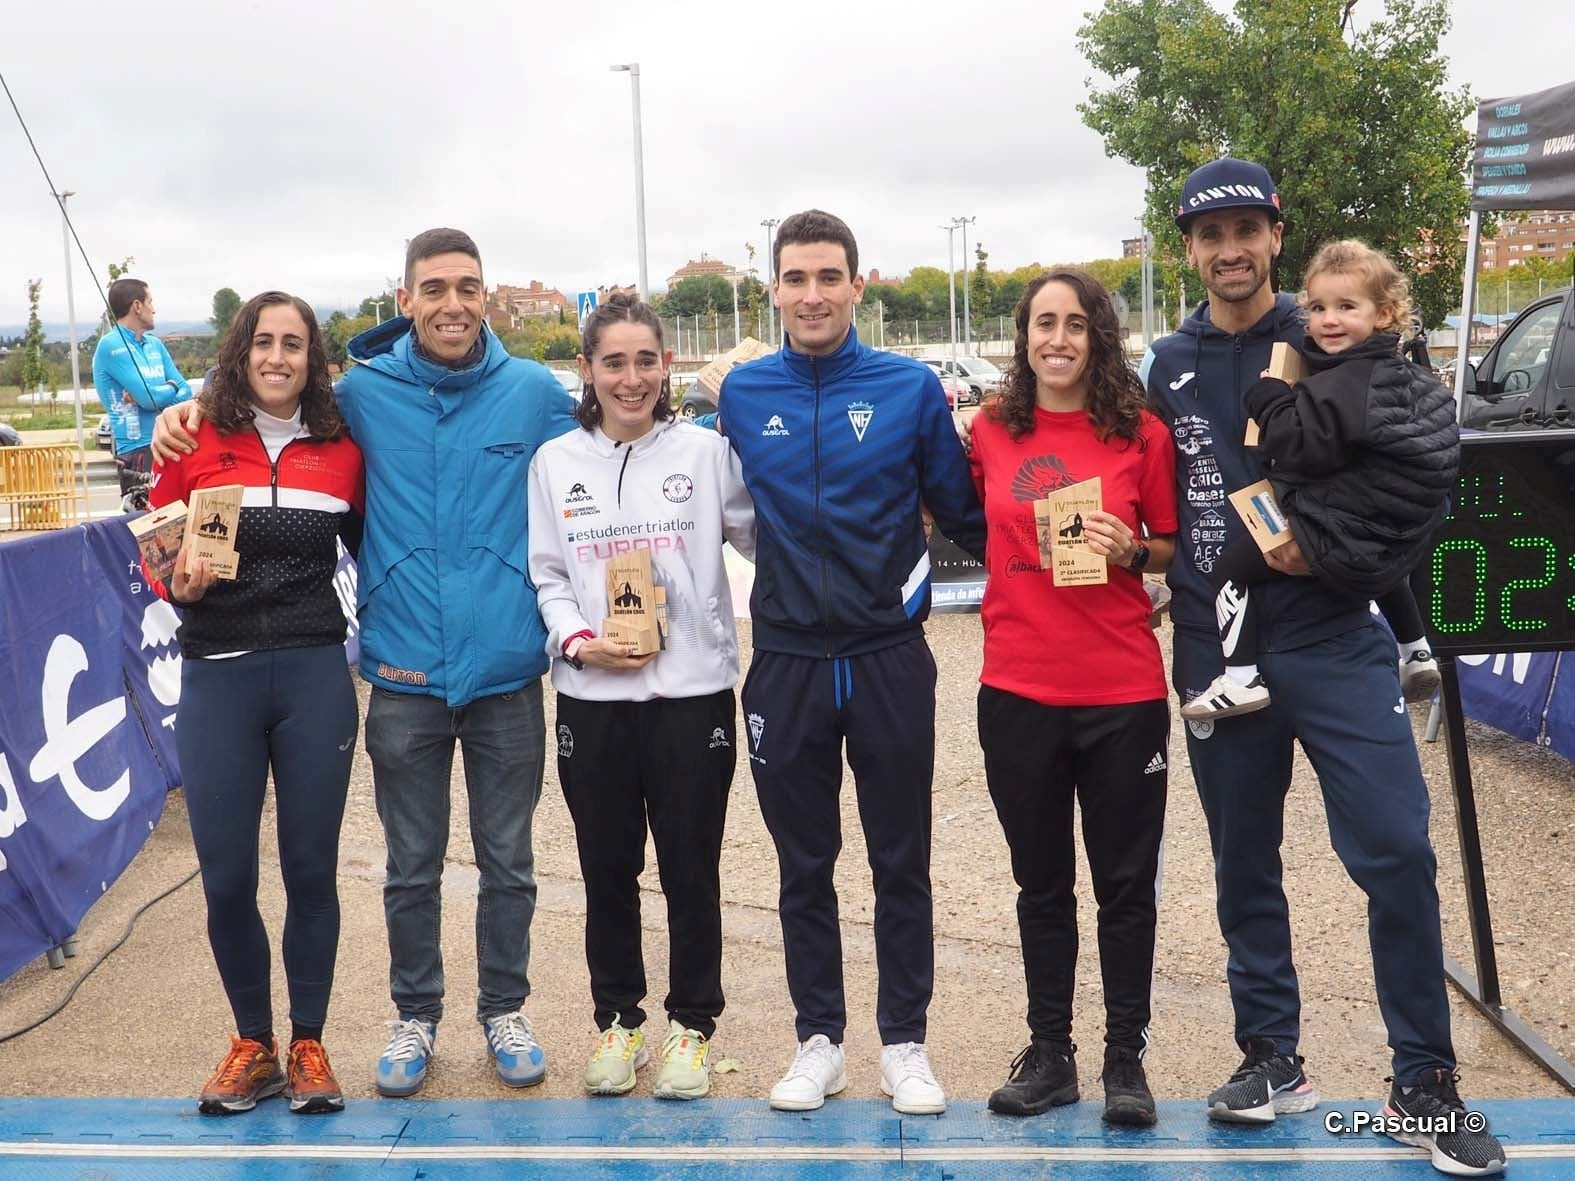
x=1384 y=283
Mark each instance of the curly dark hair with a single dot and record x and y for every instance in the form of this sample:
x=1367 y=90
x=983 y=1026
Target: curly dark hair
x=619 y=308
x=226 y=397
x=1116 y=398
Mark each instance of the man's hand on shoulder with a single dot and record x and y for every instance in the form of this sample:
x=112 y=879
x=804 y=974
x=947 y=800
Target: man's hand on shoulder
x=175 y=432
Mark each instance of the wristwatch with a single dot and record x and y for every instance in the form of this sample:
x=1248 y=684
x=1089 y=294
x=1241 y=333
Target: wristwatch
x=571 y=648
x=1139 y=558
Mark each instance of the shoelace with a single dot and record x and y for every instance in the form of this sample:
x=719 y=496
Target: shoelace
x=812 y=1060
x=512 y=1031
x=237 y=1063
x=913 y=1061
x=409 y=1039
x=1035 y=1059
x=310 y=1060
x=609 y=1042
x=1124 y=1071
x=675 y=1044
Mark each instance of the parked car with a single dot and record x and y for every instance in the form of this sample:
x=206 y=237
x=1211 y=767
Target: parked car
x=104 y=436
x=958 y=392
x=981 y=376
x=695 y=401
x=8 y=436
x=1527 y=379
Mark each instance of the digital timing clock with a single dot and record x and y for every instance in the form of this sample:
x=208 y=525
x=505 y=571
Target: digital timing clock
x=1501 y=576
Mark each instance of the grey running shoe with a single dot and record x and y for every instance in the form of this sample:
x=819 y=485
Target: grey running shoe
x=1458 y=1148
x=1266 y=1084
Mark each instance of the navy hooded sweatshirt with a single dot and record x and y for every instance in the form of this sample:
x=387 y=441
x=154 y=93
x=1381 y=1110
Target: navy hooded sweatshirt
x=1198 y=378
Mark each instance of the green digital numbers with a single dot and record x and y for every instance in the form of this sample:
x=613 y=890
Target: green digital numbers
x=1550 y=568
x=1478 y=578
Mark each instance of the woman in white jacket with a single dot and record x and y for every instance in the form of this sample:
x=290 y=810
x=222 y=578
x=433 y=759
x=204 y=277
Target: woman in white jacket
x=651 y=735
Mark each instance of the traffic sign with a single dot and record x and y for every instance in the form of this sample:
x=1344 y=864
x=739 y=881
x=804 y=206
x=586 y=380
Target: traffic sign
x=585 y=301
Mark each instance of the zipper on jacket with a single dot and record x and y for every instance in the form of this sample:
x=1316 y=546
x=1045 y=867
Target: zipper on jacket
x=820 y=540
x=273 y=497
x=628 y=450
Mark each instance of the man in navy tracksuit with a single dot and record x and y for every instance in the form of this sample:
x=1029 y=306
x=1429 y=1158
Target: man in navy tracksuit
x=839 y=444
x=1332 y=671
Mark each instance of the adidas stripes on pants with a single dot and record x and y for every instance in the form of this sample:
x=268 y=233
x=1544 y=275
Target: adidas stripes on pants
x=670 y=760
x=1112 y=759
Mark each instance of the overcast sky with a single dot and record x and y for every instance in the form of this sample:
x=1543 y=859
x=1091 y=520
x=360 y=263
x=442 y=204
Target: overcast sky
x=291 y=144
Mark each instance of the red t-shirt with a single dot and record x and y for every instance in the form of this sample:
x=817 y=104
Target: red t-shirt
x=1069 y=645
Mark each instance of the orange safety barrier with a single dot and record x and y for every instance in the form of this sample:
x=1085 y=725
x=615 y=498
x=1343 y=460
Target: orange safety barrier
x=41 y=487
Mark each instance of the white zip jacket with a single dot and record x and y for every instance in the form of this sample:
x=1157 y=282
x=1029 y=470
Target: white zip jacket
x=678 y=492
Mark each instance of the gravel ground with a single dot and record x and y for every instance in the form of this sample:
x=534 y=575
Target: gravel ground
x=153 y=1020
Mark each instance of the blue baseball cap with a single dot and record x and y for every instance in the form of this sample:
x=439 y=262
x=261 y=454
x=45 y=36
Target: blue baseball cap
x=1227 y=183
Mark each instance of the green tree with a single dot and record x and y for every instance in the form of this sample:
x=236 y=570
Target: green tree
x=34 y=372
x=117 y=270
x=340 y=333
x=375 y=306
x=1355 y=124
x=698 y=294
x=981 y=284
x=226 y=302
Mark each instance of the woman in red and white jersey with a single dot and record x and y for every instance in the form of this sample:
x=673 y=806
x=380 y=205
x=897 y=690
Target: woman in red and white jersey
x=1072 y=701
x=265 y=686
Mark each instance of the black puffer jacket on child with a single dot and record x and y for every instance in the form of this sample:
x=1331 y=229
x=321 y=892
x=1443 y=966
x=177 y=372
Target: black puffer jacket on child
x=1365 y=454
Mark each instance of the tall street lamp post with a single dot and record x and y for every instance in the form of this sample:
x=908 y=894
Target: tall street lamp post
x=770 y=224
x=633 y=70
x=71 y=316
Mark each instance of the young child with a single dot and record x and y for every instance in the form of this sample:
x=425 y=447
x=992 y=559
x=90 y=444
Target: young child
x=1363 y=455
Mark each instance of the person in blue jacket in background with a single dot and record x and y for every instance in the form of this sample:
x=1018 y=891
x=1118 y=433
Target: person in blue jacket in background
x=839 y=444
x=1336 y=692
x=135 y=378
x=451 y=639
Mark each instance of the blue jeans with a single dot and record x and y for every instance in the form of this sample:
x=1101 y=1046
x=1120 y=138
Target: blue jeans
x=410 y=738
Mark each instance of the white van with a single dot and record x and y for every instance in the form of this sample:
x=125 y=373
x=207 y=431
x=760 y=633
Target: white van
x=980 y=375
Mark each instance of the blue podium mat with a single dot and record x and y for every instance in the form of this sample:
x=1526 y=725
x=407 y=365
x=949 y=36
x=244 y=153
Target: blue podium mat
x=646 y=1140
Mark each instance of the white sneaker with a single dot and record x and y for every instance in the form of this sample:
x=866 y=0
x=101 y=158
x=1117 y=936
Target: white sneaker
x=1225 y=698
x=1419 y=676
x=816 y=1072
x=906 y=1076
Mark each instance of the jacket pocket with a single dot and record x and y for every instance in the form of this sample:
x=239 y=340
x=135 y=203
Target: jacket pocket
x=496 y=500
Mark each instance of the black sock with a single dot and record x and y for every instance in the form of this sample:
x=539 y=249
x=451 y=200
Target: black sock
x=265 y=1037
x=299 y=1031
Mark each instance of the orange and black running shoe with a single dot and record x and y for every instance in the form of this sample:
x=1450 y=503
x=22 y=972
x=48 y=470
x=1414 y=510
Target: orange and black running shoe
x=313 y=1087
x=249 y=1072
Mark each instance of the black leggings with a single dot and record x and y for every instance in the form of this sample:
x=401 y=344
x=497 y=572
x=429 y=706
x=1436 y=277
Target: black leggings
x=667 y=762
x=1242 y=566
x=292 y=709
x=1112 y=760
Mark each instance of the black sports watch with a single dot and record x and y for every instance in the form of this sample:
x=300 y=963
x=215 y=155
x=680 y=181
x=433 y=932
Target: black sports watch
x=1139 y=558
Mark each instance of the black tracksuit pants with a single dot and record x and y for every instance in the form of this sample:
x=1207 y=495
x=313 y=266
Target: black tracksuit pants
x=1112 y=759
x=669 y=760
x=798 y=710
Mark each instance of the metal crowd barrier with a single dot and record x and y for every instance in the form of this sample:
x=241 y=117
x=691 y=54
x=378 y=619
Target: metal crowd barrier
x=41 y=487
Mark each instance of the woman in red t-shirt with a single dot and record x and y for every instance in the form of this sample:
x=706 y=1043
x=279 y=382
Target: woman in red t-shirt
x=1072 y=700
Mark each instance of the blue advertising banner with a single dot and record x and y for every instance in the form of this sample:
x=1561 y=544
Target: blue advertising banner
x=1561 y=711
x=80 y=786
x=89 y=688
x=1508 y=691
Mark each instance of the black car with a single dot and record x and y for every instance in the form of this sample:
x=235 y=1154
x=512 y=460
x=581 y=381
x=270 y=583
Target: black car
x=1527 y=379
x=8 y=436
